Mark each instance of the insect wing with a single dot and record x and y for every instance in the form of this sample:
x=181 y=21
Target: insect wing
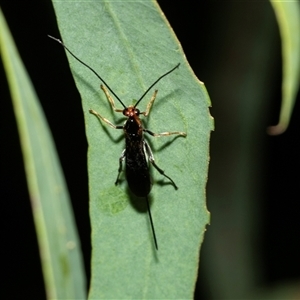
x=137 y=170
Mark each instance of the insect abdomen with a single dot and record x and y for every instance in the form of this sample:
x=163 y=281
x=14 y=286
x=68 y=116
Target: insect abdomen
x=137 y=171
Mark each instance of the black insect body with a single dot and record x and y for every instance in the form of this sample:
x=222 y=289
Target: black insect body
x=137 y=152
x=137 y=173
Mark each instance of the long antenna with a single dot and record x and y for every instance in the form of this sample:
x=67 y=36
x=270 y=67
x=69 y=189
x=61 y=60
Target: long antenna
x=155 y=82
x=59 y=41
x=152 y=226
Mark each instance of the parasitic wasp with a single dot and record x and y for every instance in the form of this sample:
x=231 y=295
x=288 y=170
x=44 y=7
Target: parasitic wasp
x=137 y=151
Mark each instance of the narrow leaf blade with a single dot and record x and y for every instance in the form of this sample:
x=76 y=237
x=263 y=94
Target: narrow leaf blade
x=130 y=45
x=57 y=237
x=288 y=18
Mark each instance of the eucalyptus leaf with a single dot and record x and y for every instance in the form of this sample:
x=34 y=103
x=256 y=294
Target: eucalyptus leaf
x=288 y=18
x=55 y=226
x=130 y=45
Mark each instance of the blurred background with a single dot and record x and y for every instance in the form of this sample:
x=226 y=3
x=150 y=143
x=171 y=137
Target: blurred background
x=252 y=246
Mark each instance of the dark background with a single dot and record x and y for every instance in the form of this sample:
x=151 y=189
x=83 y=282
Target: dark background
x=200 y=30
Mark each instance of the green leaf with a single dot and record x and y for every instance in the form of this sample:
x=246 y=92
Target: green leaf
x=57 y=237
x=130 y=45
x=288 y=18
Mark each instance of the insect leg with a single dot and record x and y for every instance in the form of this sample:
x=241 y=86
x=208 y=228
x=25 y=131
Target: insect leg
x=122 y=157
x=149 y=105
x=110 y=99
x=164 y=133
x=93 y=112
x=151 y=159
